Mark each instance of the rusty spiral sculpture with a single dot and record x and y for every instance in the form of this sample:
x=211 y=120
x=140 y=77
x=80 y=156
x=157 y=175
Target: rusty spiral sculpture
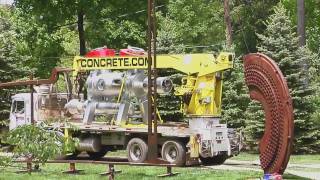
x=267 y=85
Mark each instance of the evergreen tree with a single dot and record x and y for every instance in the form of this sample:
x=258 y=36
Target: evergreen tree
x=235 y=97
x=280 y=42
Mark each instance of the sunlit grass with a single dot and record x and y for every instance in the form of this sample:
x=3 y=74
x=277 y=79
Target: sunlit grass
x=296 y=159
x=92 y=171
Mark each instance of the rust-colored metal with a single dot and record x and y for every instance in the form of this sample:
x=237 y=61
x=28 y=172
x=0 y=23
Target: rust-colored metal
x=152 y=89
x=109 y=161
x=31 y=101
x=53 y=78
x=72 y=169
x=102 y=161
x=267 y=85
x=110 y=172
x=169 y=173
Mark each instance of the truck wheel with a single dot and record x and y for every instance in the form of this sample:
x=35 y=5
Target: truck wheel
x=137 y=150
x=215 y=160
x=174 y=152
x=97 y=155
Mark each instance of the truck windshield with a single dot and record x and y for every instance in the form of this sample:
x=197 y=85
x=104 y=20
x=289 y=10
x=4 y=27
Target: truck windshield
x=18 y=107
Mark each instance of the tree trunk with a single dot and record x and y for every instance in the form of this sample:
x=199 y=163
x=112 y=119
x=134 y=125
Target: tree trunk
x=301 y=22
x=302 y=35
x=81 y=33
x=228 y=23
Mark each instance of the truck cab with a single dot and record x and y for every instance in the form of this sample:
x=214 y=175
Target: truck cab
x=47 y=103
x=20 y=113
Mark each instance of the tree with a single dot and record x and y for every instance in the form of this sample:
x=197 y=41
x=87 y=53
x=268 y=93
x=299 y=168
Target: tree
x=301 y=22
x=235 y=98
x=54 y=13
x=99 y=16
x=193 y=23
x=247 y=20
x=12 y=65
x=280 y=42
x=228 y=23
x=312 y=17
x=41 y=47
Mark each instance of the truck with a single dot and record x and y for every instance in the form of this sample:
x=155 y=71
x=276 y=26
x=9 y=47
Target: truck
x=104 y=95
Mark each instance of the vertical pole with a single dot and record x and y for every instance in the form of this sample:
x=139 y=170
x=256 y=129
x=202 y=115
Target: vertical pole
x=302 y=36
x=155 y=73
x=169 y=170
x=149 y=72
x=72 y=167
x=228 y=23
x=29 y=165
x=81 y=33
x=301 y=22
x=31 y=101
x=111 y=171
x=152 y=136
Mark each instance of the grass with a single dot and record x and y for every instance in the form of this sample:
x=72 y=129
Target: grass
x=295 y=159
x=53 y=171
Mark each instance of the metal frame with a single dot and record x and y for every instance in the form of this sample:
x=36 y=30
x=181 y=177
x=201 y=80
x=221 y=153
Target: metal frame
x=110 y=162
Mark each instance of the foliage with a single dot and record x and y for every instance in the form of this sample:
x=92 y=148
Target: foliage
x=12 y=64
x=49 y=142
x=247 y=19
x=235 y=97
x=41 y=46
x=191 y=23
x=280 y=42
x=5 y=161
x=312 y=16
x=116 y=27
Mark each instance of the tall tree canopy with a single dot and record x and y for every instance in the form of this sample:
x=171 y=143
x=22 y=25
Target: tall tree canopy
x=312 y=14
x=12 y=64
x=280 y=42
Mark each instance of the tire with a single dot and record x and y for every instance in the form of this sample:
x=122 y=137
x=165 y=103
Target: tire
x=215 y=160
x=97 y=155
x=137 y=150
x=174 y=152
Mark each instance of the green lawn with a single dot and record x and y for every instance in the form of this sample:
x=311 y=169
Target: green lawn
x=296 y=159
x=53 y=171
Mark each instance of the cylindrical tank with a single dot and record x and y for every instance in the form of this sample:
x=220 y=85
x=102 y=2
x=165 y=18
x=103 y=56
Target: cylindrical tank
x=103 y=83
x=89 y=144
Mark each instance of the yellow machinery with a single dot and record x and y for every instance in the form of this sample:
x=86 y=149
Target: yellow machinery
x=117 y=91
x=202 y=82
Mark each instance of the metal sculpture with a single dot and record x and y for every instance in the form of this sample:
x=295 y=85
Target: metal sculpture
x=267 y=85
